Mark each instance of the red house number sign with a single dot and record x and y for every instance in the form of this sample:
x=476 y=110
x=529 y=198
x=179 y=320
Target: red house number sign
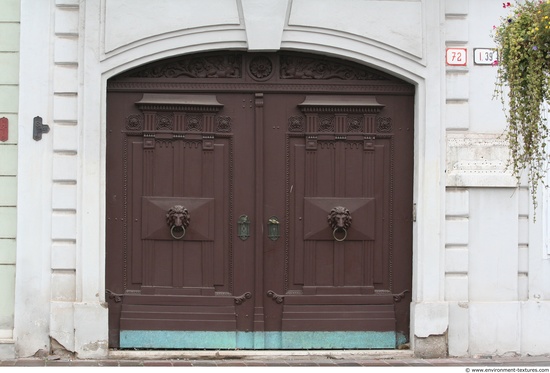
x=3 y=129
x=456 y=56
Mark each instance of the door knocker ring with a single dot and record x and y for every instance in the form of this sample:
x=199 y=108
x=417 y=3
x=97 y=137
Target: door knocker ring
x=339 y=219
x=339 y=229
x=178 y=220
x=180 y=236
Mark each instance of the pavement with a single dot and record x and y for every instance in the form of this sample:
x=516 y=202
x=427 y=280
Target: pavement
x=286 y=359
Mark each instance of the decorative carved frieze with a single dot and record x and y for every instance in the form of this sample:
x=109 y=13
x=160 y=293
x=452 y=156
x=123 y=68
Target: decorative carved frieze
x=164 y=122
x=300 y=67
x=341 y=115
x=180 y=114
x=212 y=66
x=260 y=67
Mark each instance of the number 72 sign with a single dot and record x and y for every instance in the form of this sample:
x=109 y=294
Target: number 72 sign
x=456 y=56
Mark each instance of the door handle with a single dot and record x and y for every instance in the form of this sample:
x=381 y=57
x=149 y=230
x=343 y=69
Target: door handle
x=243 y=227
x=339 y=220
x=273 y=229
x=178 y=219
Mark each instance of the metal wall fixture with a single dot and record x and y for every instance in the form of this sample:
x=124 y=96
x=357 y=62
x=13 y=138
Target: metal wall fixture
x=273 y=228
x=243 y=226
x=339 y=221
x=4 y=127
x=38 y=128
x=178 y=219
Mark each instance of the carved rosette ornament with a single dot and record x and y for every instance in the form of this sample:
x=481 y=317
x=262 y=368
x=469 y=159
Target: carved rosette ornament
x=260 y=68
x=194 y=123
x=164 y=122
x=326 y=123
x=223 y=124
x=134 y=122
x=296 y=124
x=384 y=124
x=355 y=124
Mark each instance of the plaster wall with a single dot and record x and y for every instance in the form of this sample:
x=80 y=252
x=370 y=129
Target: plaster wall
x=9 y=80
x=468 y=211
x=495 y=266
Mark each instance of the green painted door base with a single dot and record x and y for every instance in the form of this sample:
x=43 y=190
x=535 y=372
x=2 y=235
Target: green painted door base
x=170 y=339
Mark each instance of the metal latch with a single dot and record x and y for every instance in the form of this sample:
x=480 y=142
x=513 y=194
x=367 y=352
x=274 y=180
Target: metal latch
x=243 y=227
x=273 y=228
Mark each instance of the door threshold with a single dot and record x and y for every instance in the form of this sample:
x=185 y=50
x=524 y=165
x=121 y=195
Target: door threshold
x=256 y=355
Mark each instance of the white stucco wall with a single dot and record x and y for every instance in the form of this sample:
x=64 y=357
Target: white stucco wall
x=477 y=255
x=496 y=271
x=9 y=79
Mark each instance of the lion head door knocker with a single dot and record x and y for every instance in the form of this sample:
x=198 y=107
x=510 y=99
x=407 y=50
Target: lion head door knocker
x=178 y=220
x=339 y=220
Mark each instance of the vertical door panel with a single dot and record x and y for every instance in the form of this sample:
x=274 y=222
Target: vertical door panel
x=329 y=163
x=175 y=150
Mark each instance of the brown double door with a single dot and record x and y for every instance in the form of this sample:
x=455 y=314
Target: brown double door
x=257 y=218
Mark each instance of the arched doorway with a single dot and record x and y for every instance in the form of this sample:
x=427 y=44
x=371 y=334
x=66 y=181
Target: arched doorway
x=259 y=201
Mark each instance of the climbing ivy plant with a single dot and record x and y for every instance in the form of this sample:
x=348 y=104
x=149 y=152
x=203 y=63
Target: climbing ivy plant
x=523 y=81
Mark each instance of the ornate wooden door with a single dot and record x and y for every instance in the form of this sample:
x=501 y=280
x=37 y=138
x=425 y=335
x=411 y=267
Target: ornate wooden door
x=258 y=201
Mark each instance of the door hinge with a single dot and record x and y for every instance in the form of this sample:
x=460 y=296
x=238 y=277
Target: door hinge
x=242 y=298
x=414 y=212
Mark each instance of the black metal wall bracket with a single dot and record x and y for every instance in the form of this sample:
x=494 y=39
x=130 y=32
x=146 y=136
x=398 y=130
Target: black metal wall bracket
x=38 y=128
